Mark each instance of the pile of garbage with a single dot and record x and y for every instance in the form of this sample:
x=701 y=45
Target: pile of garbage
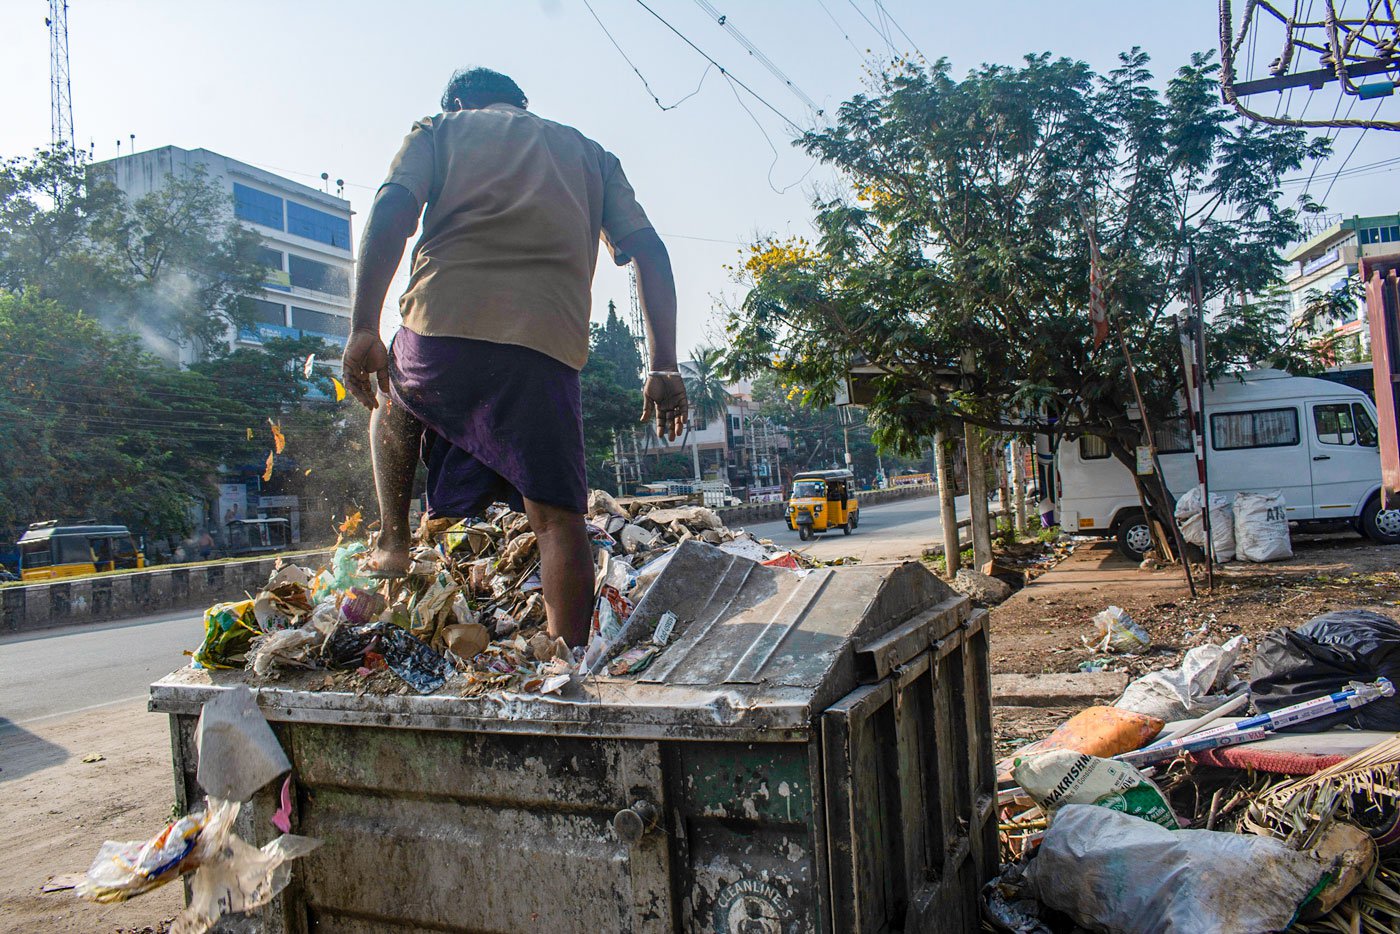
x=1178 y=808
x=470 y=609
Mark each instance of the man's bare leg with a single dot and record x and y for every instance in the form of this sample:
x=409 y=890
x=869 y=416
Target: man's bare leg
x=394 y=437
x=566 y=569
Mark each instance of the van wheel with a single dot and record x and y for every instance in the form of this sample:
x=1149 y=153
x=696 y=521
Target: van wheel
x=1134 y=536
x=1380 y=525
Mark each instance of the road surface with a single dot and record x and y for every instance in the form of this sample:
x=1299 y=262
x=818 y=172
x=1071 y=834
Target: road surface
x=54 y=672
x=889 y=532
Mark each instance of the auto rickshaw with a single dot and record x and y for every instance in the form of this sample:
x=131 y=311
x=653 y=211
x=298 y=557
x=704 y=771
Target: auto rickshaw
x=48 y=550
x=822 y=500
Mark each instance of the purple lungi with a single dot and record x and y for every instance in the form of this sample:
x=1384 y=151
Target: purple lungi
x=500 y=423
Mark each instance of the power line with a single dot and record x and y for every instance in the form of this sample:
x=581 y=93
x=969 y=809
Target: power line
x=638 y=72
x=767 y=139
x=1359 y=138
x=841 y=29
x=908 y=38
x=754 y=51
x=888 y=44
x=722 y=70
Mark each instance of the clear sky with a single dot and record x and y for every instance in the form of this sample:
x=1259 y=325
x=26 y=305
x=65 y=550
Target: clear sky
x=316 y=86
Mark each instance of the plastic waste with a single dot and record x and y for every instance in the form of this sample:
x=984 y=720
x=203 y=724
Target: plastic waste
x=1195 y=688
x=422 y=668
x=343 y=573
x=286 y=648
x=1261 y=527
x=229 y=629
x=1222 y=523
x=1112 y=872
x=1118 y=632
x=1323 y=656
x=242 y=878
x=238 y=753
x=1060 y=777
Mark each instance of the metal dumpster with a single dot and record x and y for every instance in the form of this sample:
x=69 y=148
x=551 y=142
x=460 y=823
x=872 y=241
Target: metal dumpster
x=808 y=754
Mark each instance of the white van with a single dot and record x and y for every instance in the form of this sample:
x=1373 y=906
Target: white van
x=1313 y=439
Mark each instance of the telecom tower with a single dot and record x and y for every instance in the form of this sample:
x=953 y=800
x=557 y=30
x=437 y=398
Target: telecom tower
x=60 y=85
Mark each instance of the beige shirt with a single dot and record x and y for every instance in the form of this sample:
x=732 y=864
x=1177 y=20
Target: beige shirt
x=515 y=205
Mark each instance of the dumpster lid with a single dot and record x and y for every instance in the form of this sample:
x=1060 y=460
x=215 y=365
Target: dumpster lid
x=757 y=653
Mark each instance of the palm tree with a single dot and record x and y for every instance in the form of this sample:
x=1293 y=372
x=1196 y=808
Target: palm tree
x=709 y=399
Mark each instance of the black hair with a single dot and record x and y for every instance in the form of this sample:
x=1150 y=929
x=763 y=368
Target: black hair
x=480 y=87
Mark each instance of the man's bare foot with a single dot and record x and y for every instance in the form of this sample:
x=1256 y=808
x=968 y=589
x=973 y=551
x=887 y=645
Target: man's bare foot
x=387 y=561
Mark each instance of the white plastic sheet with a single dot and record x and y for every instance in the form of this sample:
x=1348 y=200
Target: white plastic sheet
x=1201 y=684
x=1119 y=874
x=1261 y=527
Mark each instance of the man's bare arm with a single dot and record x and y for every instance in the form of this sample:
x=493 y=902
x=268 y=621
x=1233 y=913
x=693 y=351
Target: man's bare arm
x=664 y=396
x=392 y=220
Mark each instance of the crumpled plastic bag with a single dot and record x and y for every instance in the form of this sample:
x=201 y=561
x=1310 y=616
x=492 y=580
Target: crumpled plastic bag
x=1119 y=874
x=1201 y=684
x=1118 y=632
x=418 y=664
x=1222 y=523
x=238 y=752
x=1261 y=527
x=343 y=573
x=229 y=874
x=229 y=629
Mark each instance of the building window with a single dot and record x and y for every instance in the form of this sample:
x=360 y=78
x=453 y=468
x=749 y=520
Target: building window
x=268 y=312
x=1264 y=428
x=320 y=322
x=319 y=277
x=1092 y=448
x=259 y=207
x=271 y=260
x=317 y=225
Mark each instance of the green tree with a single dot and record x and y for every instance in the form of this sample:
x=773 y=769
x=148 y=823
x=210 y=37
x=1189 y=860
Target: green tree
x=705 y=387
x=956 y=263
x=611 y=384
x=174 y=265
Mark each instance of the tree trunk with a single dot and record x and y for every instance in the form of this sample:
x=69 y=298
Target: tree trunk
x=977 y=494
x=947 y=508
x=1003 y=486
x=1018 y=479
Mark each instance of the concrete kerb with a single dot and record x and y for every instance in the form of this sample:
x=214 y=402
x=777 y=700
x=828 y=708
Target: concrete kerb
x=123 y=596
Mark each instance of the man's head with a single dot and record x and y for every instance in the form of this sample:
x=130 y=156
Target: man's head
x=475 y=88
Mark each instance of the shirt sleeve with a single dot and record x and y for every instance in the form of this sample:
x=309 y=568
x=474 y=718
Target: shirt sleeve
x=622 y=215
x=413 y=167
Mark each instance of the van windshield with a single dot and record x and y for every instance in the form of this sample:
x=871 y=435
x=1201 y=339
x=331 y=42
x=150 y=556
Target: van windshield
x=809 y=489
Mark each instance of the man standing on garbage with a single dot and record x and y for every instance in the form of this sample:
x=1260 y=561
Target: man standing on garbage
x=482 y=382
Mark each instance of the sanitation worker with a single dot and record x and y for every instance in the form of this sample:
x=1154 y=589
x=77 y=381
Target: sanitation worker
x=482 y=379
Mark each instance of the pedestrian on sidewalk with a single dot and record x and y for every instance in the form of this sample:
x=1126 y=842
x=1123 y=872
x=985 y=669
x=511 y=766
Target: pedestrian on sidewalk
x=482 y=380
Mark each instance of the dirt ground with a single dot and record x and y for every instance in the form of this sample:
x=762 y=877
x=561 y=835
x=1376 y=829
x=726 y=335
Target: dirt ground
x=1039 y=629
x=56 y=809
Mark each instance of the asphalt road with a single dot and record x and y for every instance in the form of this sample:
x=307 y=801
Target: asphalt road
x=55 y=672
x=887 y=532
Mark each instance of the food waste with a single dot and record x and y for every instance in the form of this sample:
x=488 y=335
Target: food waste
x=470 y=609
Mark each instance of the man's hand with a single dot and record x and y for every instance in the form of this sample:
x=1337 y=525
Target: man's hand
x=664 y=399
x=365 y=357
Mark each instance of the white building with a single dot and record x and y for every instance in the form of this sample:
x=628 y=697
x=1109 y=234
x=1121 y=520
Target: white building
x=1326 y=261
x=306 y=240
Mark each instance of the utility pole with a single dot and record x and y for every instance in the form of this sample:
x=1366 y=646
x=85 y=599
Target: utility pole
x=947 y=506
x=60 y=82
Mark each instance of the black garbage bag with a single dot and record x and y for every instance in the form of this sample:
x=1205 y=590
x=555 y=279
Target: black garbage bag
x=1323 y=656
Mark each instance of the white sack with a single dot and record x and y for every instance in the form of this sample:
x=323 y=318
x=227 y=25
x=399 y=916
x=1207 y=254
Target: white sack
x=1261 y=527
x=1222 y=523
